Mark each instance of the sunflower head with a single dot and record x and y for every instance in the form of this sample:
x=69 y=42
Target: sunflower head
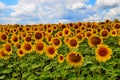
x=74 y=59
x=51 y=51
x=7 y=48
x=27 y=47
x=14 y=39
x=3 y=37
x=88 y=34
x=103 y=53
x=38 y=35
x=39 y=47
x=94 y=41
x=104 y=33
x=60 y=58
x=28 y=39
x=56 y=42
x=20 y=53
x=73 y=42
x=66 y=32
x=113 y=33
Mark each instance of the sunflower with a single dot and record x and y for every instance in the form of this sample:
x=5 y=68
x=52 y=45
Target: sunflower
x=59 y=34
x=7 y=48
x=39 y=47
x=38 y=35
x=54 y=27
x=49 y=38
x=2 y=54
x=14 y=39
x=20 y=53
x=66 y=39
x=116 y=26
x=56 y=42
x=104 y=33
x=113 y=33
x=51 y=51
x=60 y=58
x=27 y=47
x=18 y=45
x=3 y=37
x=103 y=53
x=88 y=34
x=66 y=32
x=73 y=42
x=28 y=39
x=77 y=31
x=94 y=40
x=82 y=28
x=80 y=37
x=94 y=31
x=74 y=59
x=49 y=31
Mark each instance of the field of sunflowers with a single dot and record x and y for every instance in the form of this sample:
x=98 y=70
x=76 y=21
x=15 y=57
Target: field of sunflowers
x=71 y=51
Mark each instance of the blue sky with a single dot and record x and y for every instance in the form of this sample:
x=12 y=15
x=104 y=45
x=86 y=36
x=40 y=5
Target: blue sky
x=55 y=11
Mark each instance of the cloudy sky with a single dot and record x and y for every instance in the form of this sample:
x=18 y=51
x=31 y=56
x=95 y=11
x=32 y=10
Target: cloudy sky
x=55 y=11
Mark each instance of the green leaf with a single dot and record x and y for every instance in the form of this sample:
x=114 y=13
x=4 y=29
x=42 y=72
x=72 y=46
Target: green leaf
x=34 y=66
x=2 y=77
x=7 y=71
x=47 y=67
x=1 y=64
x=25 y=75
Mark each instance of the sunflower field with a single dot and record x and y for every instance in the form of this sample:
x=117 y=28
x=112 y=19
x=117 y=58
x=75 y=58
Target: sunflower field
x=71 y=51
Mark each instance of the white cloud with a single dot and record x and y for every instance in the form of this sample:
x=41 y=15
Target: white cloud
x=96 y=17
x=107 y=3
x=113 y=13
x=2 y=6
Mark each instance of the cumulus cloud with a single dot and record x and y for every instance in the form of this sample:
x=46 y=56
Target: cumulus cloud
x=53 y=11
x=2 y=8
x=107 y=4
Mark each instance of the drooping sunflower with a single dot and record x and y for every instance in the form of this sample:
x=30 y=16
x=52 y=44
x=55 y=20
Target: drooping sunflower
x=20 y=53
x=103 y=53
x=38 y=35
x=7 y=48
x=40 y=47
x=73 y=42
x=27 y=47
x=74 y=59
x=104 y=33
x=94 y=40
x=51 y=51
x=56 y=42
x=60 y=58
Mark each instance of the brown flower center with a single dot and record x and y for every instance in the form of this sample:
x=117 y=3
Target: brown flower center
x=74 y=58
x=51 y=50
x=73 y=42
x=102 y=51
x=39 y=46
